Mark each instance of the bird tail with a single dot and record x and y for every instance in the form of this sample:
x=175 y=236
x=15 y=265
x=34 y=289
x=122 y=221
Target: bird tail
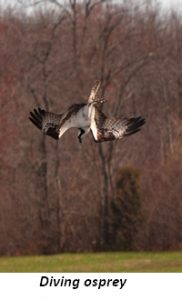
x=134 y=125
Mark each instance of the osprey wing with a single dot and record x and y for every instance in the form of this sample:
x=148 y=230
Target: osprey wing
x=48 y=122
x=109 y=129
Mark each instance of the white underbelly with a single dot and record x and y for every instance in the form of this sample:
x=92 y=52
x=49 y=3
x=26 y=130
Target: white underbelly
x=81 y=118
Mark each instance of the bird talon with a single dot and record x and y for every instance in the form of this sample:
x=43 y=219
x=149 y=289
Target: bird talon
x=80 y=140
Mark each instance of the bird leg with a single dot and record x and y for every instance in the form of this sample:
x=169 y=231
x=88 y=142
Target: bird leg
x=80 y=134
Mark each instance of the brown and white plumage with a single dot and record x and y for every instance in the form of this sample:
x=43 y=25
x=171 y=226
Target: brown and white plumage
x=47 y=122
x=86 y=117
x=108 y=129
x=93 y=93
x=55 y=125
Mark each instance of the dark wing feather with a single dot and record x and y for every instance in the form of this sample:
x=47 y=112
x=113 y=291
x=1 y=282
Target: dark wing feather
x=133 y=125
x=48 y=122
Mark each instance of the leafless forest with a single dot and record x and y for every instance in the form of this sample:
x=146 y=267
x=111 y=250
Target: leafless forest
x=65 y=196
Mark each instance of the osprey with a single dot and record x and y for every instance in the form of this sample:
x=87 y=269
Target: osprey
x=86 y=117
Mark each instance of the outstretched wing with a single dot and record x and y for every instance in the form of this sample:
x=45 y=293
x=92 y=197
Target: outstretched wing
x=108 y=129
x=48 y=122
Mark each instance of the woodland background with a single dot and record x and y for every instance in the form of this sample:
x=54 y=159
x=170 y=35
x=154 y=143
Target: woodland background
x=63 y=196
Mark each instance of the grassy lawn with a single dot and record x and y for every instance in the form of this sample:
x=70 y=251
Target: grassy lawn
x=95 y=262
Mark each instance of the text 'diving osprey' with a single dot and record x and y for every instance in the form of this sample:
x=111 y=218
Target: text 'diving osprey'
x=87 y=117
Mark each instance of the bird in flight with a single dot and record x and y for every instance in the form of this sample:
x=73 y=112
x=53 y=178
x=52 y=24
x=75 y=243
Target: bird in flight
x=86 y=117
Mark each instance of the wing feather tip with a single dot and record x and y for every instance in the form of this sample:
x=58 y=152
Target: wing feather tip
x=134 y=125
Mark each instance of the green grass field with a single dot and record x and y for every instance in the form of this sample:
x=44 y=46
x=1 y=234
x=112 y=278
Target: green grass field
x=95 y=262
